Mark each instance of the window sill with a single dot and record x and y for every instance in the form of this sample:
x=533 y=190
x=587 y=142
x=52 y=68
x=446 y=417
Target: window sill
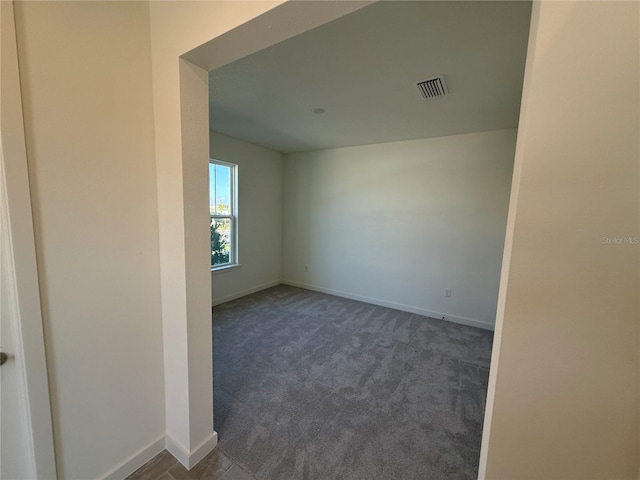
x=224 y=268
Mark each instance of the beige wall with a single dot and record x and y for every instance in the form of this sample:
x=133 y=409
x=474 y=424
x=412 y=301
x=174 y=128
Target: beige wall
x=398 y=223
x=563 y=397
x=260 y=218
x=86 y=75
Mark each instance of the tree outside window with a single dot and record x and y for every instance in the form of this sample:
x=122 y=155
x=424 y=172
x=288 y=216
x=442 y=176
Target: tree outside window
x=222 y=211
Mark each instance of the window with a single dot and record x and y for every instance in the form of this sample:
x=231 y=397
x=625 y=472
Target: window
x=222 y=210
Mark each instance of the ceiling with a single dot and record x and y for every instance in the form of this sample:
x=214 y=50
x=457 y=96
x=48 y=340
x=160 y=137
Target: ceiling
x=362 y=69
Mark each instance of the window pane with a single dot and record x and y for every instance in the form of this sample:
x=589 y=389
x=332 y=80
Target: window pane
x=220 y=241
x=212 y=189
x=222 y=210
x=223 y=190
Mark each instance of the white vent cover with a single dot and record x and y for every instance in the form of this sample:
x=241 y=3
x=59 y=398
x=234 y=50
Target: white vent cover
x=432 y=87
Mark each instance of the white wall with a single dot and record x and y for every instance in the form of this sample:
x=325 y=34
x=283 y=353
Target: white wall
x=260 y=218
x=563 y=392
x=86 y=75
x=180 y=96
x=397 y=223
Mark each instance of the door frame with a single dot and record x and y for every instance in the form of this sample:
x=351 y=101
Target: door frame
x=23 y=273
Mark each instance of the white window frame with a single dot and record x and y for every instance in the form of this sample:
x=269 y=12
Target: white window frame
x=233 y=217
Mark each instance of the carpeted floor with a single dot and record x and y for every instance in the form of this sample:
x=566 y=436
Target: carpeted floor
x=310 y=386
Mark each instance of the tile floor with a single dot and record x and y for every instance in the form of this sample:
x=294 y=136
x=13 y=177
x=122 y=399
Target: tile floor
x=215 y=466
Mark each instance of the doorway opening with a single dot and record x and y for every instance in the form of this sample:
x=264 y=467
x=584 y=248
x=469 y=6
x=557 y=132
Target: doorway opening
x=361 y=189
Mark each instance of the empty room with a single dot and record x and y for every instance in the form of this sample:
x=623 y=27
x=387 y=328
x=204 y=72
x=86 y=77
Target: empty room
x=377 y=231
x=360 y=183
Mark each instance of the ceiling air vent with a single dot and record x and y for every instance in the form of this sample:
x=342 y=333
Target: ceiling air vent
x=432 y=87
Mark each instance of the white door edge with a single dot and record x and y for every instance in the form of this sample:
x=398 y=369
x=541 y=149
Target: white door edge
x=23 y=274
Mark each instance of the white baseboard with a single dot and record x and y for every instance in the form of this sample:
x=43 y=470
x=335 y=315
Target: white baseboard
x=189 y=460
x=137 y=460
x=398 y=306
x=233 y=296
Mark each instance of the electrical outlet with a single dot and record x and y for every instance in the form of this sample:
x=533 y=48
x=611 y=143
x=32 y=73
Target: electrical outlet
x=447 y=292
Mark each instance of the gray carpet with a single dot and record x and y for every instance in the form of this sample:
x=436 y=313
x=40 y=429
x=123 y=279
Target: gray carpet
x=310 y=386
